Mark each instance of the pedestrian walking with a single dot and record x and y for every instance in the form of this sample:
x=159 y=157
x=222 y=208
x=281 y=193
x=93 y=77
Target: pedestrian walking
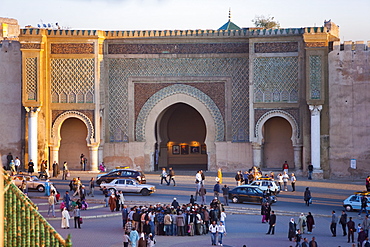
x=367 y=183
x=216 y=190
x=164 y=176
x=221 y=232
x=361 y=237
x=239 y=178
x=272 y=223
x=313 y=242
x=298 y=238
x=351 y=230
x=225 y=194
x=293 y=179
x=333 y=224
x=310 y=171
x=307 y=196
x=171 y=176
x=302 y=223
x=17 y=164
x=219 y=175
x=292 y=229
x=134 y=237
x=126 y=239
x=65 y=171
x=91 y=187
x=106 y=196
x=310 y=223
x=65 y=218
x=305 y=243
x=77 y=215
x=213 y=229
x=51 y=202
x=202 y=193
x=364 y=202
x=343 y=222
x=55 y=169
x=285 y=180
x=286 y=167
x=31 y=167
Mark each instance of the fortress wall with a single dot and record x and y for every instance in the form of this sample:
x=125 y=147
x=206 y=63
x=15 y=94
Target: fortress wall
x=10 y=99
x=349 y=100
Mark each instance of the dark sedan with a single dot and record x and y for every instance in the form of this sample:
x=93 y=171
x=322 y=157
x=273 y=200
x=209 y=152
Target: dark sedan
x=122 y=173
x=246 y=193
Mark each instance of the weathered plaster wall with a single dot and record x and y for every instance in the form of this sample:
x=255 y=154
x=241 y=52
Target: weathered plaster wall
x=349 y=100
x=10 y=99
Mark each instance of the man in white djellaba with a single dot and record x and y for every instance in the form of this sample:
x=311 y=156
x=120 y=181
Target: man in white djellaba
x=65 y=219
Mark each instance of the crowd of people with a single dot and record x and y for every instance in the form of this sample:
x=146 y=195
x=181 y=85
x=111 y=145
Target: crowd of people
x=175 y=220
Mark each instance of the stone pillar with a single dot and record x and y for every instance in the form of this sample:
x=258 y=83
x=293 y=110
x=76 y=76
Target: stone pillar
x=257 y=154
x=93 y=157
x=315 y=140
x=32 y=135
x=54 y=151
x=297 y=157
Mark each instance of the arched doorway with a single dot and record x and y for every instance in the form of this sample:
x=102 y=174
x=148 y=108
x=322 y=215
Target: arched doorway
x=180 y=135
x=277 y=143
x=73 y=143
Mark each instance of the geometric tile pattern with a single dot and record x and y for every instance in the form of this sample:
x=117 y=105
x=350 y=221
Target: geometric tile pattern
x=31 y=78
x=315 y=77
x=275 y=79
x=121 y=69
x=72 y=80
x=276 y=47
x=179 y=89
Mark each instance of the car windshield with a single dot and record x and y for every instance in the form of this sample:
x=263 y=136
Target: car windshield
x=258 y=190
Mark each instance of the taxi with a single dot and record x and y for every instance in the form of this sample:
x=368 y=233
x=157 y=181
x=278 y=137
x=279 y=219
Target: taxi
x=353 y=202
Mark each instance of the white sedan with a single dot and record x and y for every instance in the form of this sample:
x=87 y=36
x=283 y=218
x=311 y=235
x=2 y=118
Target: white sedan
x=353 y=202
x=129 y=186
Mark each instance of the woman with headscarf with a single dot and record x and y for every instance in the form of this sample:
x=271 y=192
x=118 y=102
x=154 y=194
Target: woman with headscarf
x=310 y=222
x=112 y=202
x=65 y=218
x=292 y=229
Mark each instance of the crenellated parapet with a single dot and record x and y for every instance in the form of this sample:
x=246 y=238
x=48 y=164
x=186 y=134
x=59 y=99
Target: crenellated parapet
x=358 y=46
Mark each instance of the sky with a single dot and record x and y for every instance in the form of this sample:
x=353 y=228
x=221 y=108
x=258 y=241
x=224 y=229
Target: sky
x=351 y=16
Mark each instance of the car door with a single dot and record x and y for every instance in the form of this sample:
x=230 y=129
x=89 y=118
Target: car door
x=255 y=195
x=131 y=186
x=355 y=202
x=30 y=182
x=120 y=185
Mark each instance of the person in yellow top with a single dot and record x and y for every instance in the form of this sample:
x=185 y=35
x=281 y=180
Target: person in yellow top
x=219 y=175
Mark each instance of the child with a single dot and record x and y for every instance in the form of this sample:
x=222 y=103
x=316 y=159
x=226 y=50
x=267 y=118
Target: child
x=126 y=239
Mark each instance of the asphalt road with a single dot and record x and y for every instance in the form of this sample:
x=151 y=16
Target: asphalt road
x=243 y=222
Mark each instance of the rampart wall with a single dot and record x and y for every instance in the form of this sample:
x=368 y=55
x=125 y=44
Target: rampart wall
x=349 y=100
x=10 y=99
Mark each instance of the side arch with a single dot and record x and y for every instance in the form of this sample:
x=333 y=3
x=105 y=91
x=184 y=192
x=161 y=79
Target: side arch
x=175 y=92
x=55 y=133
x=277 y=113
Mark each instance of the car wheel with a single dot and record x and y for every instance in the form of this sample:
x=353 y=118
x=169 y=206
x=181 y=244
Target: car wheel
x=112 y=190
x=348 y=208
x=235 y=200
x=145 y=192
x=40 y=188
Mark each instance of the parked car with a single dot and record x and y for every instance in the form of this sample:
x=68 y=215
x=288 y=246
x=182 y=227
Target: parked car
x=139 y=176
x=247 y=193
x=129 y=186
x=264 y=183
x=353 y=202
x=33 y=182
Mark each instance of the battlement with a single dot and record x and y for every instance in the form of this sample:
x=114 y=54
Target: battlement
x=9 y=29
x=352 y=46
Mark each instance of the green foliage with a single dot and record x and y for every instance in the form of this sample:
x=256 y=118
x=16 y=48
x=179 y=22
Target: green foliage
x=265 y=22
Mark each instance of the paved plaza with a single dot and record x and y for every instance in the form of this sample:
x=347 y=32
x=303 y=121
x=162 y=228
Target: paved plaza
x=104 y=228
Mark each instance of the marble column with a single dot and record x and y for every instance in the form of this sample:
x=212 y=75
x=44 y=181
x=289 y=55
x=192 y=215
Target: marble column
x=94 y=157
x=257 y=154
x=315 y=136
x=32 y=135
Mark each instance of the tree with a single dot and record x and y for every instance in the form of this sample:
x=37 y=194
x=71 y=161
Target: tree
x=265 y=22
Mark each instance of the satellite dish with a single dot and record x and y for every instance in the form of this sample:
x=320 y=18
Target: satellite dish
x=44 y=25
x=49 y=25
x=38 y=25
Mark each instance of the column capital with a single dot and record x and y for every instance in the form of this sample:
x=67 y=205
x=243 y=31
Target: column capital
x=315 y=109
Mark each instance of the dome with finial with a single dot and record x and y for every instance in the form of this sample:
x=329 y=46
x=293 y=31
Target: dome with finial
x=229 y=25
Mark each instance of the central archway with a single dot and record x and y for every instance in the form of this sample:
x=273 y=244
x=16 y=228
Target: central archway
x=181 y=134
x=158 y=110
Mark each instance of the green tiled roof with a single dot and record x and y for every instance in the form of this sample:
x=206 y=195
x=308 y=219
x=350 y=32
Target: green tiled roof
x=23 y=224
x=229 y=26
